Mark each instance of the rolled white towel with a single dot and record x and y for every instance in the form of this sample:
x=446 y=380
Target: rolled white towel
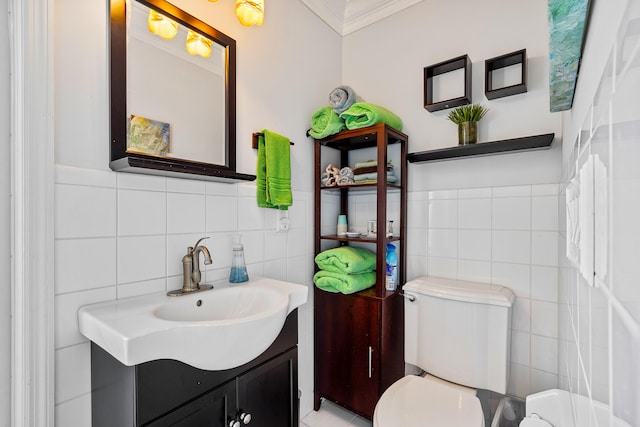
x=342 y=98
x=332 y=170
x=324 y=177
x=344 y=180
x=346 y=171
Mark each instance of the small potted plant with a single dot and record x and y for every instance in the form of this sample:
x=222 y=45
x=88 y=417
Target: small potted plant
x=467 y=118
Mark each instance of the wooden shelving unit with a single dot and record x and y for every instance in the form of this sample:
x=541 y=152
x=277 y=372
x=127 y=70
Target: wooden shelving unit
x=359 y=338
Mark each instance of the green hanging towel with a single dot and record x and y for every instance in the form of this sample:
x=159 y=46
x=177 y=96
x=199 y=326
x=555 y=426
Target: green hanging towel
x=273 y=174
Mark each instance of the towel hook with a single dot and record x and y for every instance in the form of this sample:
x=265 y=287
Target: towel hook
x=254 y=140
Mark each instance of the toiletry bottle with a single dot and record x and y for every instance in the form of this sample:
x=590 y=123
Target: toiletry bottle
x=391 y=279
x=238 y=272
x=342 y=225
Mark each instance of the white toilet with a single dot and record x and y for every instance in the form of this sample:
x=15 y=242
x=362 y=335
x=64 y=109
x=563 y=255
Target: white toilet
x=458 y=332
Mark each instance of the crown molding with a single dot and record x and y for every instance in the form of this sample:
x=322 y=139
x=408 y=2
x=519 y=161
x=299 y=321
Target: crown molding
x=357 y=16
x=347 y=16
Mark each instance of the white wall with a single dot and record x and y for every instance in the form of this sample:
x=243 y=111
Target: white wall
x=5 y=223
x=118 y=235
x=384 y=62
x=600 y=326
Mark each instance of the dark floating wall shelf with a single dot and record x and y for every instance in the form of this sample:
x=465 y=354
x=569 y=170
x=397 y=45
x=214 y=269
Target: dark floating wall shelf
x=536 y=142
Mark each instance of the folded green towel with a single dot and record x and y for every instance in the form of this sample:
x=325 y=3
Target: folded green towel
x=369 y=164
x=391 y=177
x=345 y=283
x=363 y=114
x=273 y=171
x=347 y=260
x=325 y=122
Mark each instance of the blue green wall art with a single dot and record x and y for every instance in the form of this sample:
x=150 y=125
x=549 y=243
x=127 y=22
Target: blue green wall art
x=567 y=29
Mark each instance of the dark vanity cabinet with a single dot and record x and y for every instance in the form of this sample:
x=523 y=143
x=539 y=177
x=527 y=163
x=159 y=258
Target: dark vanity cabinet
x=263 y=392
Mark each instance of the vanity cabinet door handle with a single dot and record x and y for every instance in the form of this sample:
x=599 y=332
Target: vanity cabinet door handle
x=370 y=360
x=234 y=423
x=245 y=418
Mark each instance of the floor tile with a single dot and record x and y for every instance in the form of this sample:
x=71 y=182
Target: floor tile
x=332 y=415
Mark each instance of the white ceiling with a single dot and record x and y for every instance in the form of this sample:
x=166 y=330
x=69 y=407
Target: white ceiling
x=347 y=16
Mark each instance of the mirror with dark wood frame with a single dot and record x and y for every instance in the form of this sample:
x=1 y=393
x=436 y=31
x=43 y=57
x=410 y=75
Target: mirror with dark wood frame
x=172 y=113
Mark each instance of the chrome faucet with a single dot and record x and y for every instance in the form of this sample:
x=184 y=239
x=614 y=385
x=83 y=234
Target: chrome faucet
x=191 y=274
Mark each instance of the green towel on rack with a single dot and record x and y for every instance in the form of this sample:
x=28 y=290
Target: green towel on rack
x=346 y=260
x=325 y=122
x=363 y=114
x=344 y=283
x=273 y=172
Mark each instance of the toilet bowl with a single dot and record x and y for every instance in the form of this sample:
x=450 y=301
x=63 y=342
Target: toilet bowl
x=428 y=401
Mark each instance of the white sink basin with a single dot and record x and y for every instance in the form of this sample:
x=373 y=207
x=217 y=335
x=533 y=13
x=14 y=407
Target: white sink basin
x=213 y=330
x=226 y=304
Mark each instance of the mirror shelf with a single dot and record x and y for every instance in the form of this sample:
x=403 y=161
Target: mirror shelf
x=140 y=163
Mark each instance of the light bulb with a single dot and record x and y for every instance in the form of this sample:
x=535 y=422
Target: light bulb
x=198 y=44
x=250 y=12
x=161 y=25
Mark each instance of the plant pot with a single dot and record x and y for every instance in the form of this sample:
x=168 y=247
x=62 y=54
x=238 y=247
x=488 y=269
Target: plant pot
x=467 y=133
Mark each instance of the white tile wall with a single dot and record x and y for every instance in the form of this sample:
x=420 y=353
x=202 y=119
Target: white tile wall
x=464 y=245
x=122 y=235
x=502 y=235
x=599 y=328
x=73 y=362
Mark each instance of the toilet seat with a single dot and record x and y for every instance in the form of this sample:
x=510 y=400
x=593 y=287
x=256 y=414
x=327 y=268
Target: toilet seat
x=424 y=402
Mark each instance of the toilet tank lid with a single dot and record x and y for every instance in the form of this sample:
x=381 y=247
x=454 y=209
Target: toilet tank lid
x=460 y=290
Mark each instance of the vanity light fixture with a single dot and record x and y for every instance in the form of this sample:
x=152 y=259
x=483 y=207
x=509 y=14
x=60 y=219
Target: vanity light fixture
x=198 y=44
x=161 y=25
x=250 y=12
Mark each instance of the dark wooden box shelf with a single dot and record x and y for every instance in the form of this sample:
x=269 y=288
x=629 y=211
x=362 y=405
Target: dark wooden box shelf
x=461 y=62
x=503 y=61
x=536 y=142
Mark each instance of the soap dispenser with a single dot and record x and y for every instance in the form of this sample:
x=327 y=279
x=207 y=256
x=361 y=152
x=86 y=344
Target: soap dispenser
x=238 y=272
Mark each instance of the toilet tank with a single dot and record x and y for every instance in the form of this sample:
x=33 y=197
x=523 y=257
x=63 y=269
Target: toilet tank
x=459 y=331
